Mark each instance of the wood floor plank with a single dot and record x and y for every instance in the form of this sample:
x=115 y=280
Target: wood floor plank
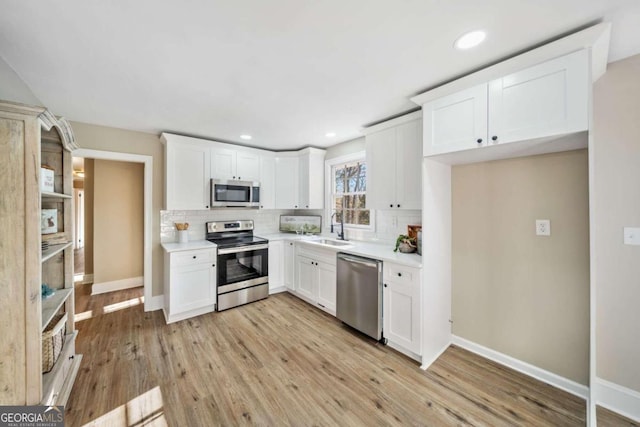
x=280 y=361
x=607 y=418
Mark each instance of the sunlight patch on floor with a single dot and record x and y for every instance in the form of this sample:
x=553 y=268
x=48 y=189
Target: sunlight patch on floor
x=146 y=409
x=123 y=305
x=83 y=316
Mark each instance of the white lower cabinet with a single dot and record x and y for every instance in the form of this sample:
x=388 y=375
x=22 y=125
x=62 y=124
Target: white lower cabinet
x=401 y=307
x=316 y=278
x=276 y=266
x=289 y=265
x=190 y=284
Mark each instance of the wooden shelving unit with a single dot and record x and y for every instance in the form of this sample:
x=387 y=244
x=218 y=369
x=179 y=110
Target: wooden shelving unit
x=46 y=194
x=53 y=304
x=54 y=250
x=31 y=137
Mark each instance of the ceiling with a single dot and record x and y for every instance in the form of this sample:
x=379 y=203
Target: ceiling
x=284 y=71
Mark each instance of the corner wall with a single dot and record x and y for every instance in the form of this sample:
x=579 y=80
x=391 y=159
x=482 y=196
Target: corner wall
x=616 y=199
x=118 y=221
x=524 y=295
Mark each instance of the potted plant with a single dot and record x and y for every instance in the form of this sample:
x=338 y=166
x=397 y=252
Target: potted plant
x=405 y=244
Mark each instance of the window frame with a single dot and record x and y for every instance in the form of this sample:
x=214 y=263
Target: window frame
x=329 y=182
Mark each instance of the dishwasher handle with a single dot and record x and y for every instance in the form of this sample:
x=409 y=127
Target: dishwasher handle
x=357 y=260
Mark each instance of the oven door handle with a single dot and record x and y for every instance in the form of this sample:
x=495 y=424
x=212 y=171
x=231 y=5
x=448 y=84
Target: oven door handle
x=242 y=249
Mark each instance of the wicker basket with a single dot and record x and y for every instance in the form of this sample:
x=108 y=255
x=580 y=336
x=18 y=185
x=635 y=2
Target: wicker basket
x=53 y=341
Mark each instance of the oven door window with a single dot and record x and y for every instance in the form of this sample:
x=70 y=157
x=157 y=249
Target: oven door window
x=242 y=266
x=232 y=193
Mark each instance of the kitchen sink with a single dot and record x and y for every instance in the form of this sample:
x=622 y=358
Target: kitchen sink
x=331 y=242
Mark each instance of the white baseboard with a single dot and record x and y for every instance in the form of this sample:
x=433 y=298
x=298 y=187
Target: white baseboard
x=154 y=303
x=555 y=380
x=277 y=290
x=116 y=285
x=619 y=399
x=404 y=351
x=428 y=362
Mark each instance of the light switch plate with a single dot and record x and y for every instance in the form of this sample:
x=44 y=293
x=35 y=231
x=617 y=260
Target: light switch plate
x=632 y=236
x=543 y=227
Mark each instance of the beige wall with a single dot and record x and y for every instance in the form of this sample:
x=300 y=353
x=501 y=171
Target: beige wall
x=88 y=216
x=118 y=140
x=616 y=200
x=524 y=295
x=118 y=220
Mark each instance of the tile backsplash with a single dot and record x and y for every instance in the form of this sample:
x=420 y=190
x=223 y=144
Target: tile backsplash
x=388 y=223
x=265 y=221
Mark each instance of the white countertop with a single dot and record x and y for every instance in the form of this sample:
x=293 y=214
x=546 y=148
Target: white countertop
x=189 y=246
x=380 y=251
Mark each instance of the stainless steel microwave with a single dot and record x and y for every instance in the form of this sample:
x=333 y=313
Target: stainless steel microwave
x=235 y=194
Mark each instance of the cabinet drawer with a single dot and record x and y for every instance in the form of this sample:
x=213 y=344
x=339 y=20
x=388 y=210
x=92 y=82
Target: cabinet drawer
x=186 y=258
x=400 y=274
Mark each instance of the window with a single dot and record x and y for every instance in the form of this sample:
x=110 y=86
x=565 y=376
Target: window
x=348 y=191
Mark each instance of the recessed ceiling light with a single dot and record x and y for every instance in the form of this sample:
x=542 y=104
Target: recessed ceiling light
x=245 y=136
x=470 y=39
x=330 y=134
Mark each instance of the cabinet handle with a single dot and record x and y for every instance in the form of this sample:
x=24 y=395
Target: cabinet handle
x=390 y=206
x=295 y=206
x=261 y=207
x=479 y=140
x=494 y=138
x=306 y=206
x=234 y=177
x=398 y=205
x=239 y=177
x=213 y=265
x=385 y=285
x=207 y=207
x=399 y=274
x=72 y=357
x=194 y=257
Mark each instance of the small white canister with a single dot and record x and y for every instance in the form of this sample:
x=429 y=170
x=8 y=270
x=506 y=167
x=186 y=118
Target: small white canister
x=183 y=236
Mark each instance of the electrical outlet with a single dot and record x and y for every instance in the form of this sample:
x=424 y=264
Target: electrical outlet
x=543 y=227
x=631 y=236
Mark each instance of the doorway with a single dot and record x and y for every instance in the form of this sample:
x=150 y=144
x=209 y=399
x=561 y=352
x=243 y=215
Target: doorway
x=147 y=165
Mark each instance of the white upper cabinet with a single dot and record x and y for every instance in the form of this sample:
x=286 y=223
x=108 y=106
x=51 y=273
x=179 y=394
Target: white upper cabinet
x=300 y=179
x=287 y=182
x=248 y=166
x=394 y=166
x=187 y=174
x=456 y=122
x=311 y=173
x=232 y=164
x=545 y=100
x=267 y=181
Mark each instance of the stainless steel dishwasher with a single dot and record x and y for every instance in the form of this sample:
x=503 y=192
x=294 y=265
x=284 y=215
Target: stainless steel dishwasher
x=359 y=294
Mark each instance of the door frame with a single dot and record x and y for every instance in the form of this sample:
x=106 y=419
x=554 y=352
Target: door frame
x=147 y=162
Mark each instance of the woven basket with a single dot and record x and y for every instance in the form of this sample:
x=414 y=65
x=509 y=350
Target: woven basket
x=53 y=341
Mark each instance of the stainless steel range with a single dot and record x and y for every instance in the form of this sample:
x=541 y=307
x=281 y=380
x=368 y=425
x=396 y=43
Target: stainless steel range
x=243 y=263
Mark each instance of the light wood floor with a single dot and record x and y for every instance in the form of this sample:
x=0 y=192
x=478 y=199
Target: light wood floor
x=280 y=361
